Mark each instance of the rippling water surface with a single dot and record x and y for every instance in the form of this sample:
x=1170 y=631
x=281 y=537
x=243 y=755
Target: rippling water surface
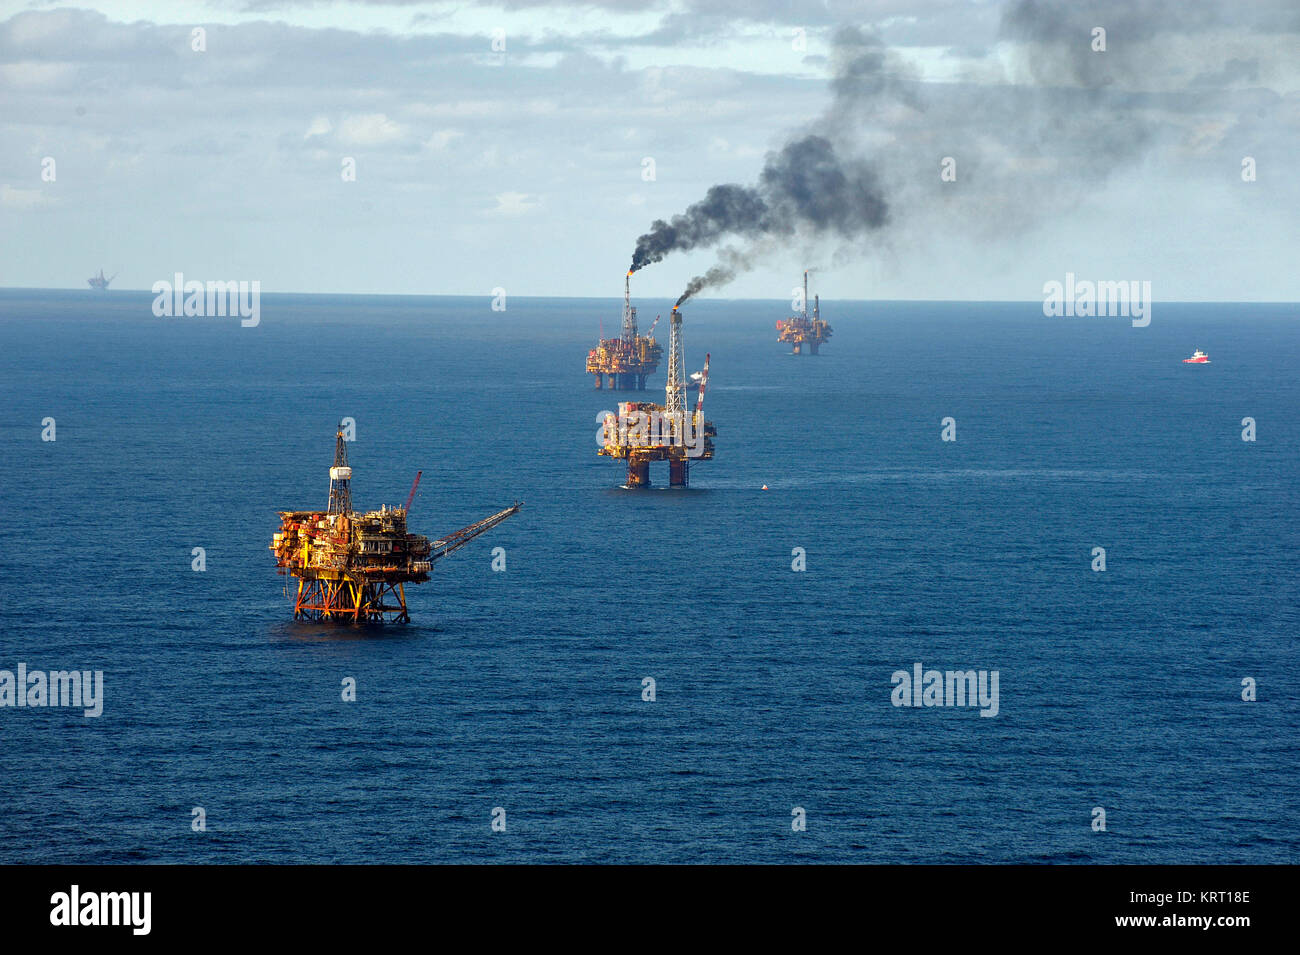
x=523 y=689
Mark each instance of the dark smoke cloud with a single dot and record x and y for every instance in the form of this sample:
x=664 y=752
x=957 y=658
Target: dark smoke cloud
x=804 y=187
x=723 y=210
x=808 y=189
x=718 y=275
x=1034 y=131
x=731 y=262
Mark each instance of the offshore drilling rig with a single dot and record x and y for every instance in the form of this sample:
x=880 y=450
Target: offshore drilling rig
x=799 y=329
x=642 y=432
x=626 y=360
x=354 y=567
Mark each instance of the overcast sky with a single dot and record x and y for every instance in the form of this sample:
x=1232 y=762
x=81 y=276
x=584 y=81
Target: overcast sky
x=525 y=168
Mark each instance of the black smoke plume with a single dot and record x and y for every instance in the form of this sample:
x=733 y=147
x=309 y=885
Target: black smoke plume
x=805 y=187
x=809 y=188
x=718 y=275
x=1033 y=133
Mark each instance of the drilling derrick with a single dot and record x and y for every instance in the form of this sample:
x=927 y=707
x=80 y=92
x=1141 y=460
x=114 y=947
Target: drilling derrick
x=800 y=329
x=675 y=392
x=642 y=432
x=354 y=567
x=675 y=401
x=628 y=359
x=340 y=479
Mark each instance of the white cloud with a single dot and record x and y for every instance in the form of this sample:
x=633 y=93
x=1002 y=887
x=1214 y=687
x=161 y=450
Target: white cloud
x=320 y=126
x=441 y=139
x=29 y=74
x=370 y=129
x=22 y=198
x=514 y=204
x=1206 y=136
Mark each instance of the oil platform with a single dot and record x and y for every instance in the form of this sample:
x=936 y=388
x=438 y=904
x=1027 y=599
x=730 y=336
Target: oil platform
x=628 y=359
x=99 y=282
x=799 y=330
x=643 y=432
x=354 y=567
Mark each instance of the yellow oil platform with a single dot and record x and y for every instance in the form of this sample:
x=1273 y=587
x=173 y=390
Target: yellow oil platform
x=629 y=359
x=354 y=567
x=800 y=329
x=642 y=432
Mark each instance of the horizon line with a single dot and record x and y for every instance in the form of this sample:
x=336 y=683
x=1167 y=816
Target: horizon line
x=701 y=298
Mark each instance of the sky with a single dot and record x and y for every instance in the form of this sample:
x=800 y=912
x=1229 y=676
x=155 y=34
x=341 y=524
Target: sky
x=128 y=144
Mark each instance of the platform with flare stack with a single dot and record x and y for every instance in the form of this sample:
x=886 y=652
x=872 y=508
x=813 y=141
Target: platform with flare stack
x=799 y=329
x=354 y=567
x=642 y=432
x=629 y=359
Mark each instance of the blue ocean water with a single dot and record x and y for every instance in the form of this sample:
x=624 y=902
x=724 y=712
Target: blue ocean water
x=522 y=689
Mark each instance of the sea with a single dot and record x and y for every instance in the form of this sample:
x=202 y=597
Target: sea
x=700 y=675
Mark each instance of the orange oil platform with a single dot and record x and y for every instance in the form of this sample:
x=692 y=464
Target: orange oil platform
x=642 y=432
x=800 y=329
x=628 y=359
x=354 y=567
